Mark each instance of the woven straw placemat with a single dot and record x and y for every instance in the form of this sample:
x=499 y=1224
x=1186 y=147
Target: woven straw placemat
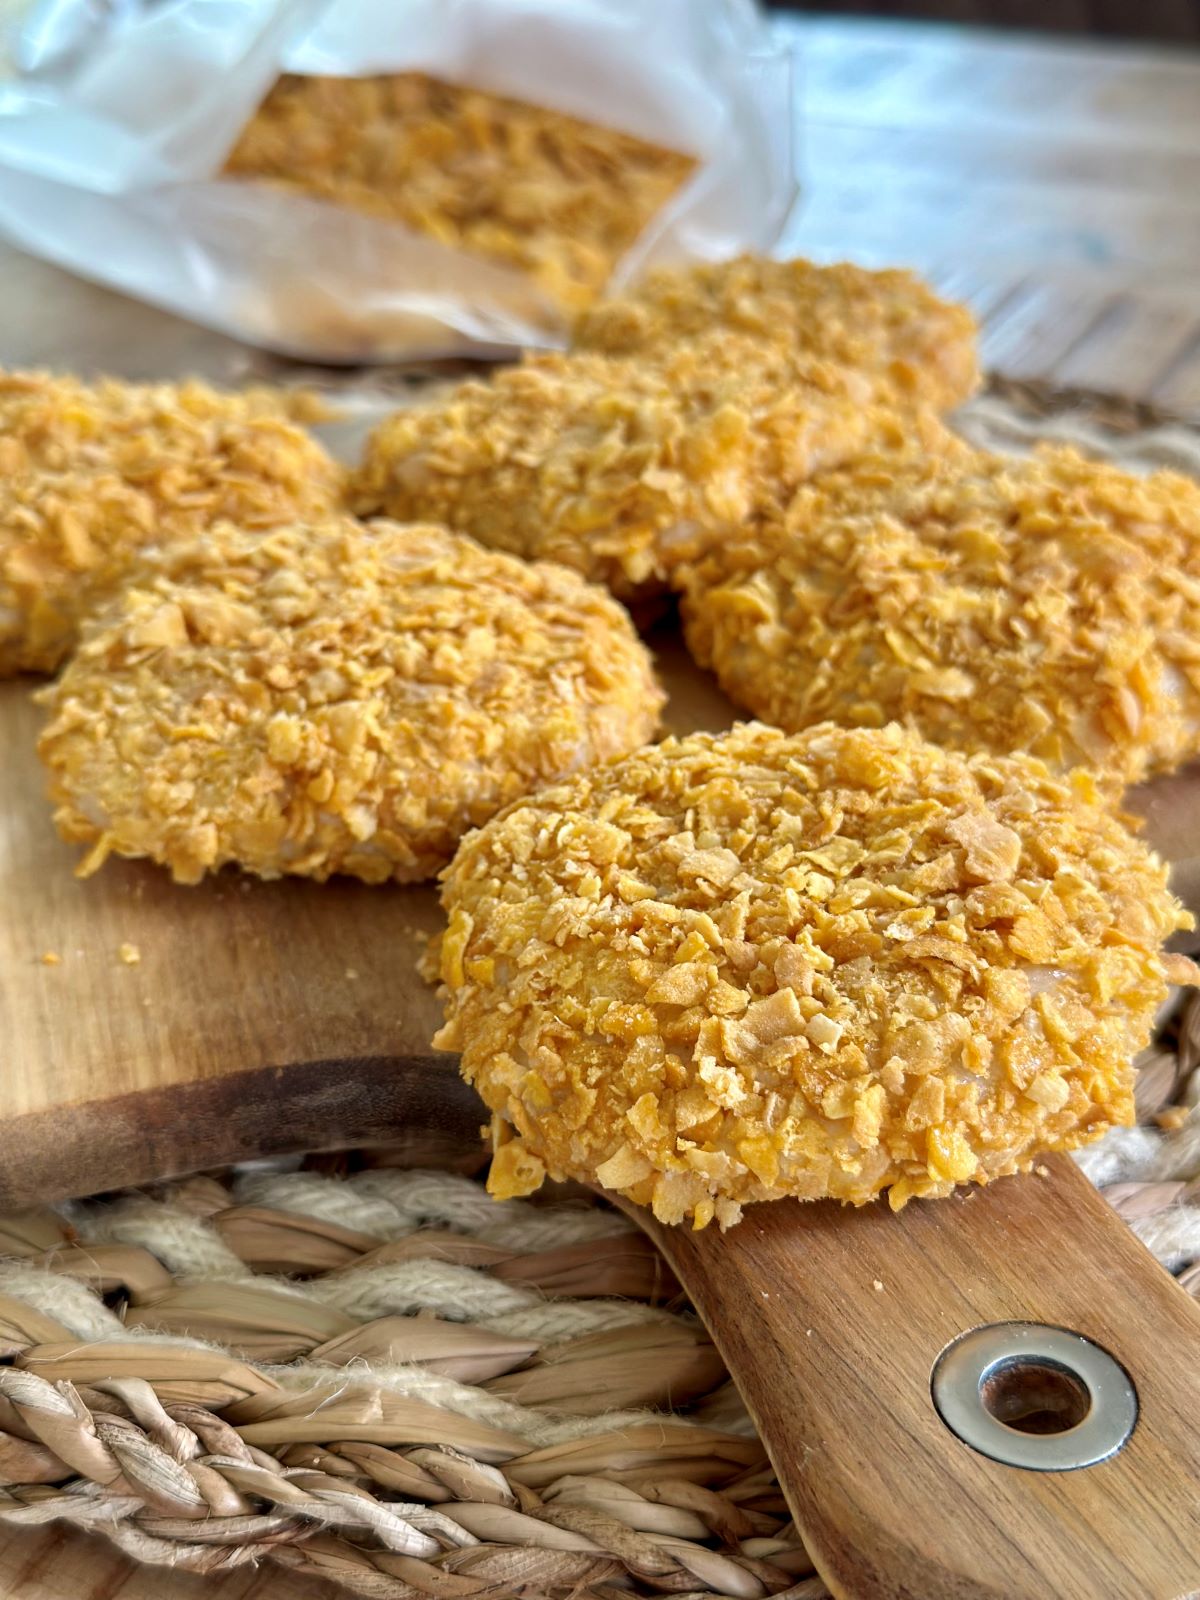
x=374 y=1374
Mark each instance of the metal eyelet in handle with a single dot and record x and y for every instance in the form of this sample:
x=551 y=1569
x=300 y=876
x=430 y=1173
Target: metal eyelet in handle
x=1033 y=1396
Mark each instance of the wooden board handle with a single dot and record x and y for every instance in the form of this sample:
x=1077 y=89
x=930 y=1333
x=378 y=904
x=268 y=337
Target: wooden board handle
x=831 y=1321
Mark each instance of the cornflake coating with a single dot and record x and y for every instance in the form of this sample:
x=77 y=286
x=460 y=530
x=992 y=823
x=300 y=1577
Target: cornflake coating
x=553 y=196
x=329 y=698
x=888 y=325
x=736 y=967
x=90 y=473
x=1050 y=604
x=619 y=468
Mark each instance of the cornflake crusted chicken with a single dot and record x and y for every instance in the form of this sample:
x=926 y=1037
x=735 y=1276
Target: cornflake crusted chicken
x=555 y=197
x=619 y=468
x=1050 y=604
x=887 y=325
x=731 y=968
x=89 y=473
x=329 y=698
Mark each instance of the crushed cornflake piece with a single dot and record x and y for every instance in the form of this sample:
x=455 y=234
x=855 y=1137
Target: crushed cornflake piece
x=51 y=958
x=130 y=954
x=599 y=1027
x=1172 y=1117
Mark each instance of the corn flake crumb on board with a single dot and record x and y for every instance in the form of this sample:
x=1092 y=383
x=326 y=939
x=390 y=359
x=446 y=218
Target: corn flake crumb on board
x=560 y=199
x=887 y=325
x=622 y=468
x=90 y=473
x=733 y=968
x=1048 y=604
x=330 y=698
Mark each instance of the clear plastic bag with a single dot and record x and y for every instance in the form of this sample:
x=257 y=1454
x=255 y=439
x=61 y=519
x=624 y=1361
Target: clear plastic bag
x=111 y=137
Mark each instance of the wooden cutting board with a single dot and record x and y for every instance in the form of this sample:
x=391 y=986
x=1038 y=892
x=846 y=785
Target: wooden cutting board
x=258 y=1018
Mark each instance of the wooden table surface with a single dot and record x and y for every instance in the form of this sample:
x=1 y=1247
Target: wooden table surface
x=1054 y=185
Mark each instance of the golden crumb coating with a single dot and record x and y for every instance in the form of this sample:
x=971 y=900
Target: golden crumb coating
x=1048 y=604
x=888 y=325
x=530 y=188
x=89 y=473
x=331 y=698
x=618 y=468
x=737 y=967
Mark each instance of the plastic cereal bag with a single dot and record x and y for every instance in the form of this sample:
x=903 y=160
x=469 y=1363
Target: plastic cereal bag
x=374 y=180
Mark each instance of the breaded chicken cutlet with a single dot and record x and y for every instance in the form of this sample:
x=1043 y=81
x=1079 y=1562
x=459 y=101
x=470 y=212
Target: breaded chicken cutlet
x=621 y=468
x=326 y=698
x=889 y=326
x=90 y=473
x=1048 y=605
x=733 y=968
